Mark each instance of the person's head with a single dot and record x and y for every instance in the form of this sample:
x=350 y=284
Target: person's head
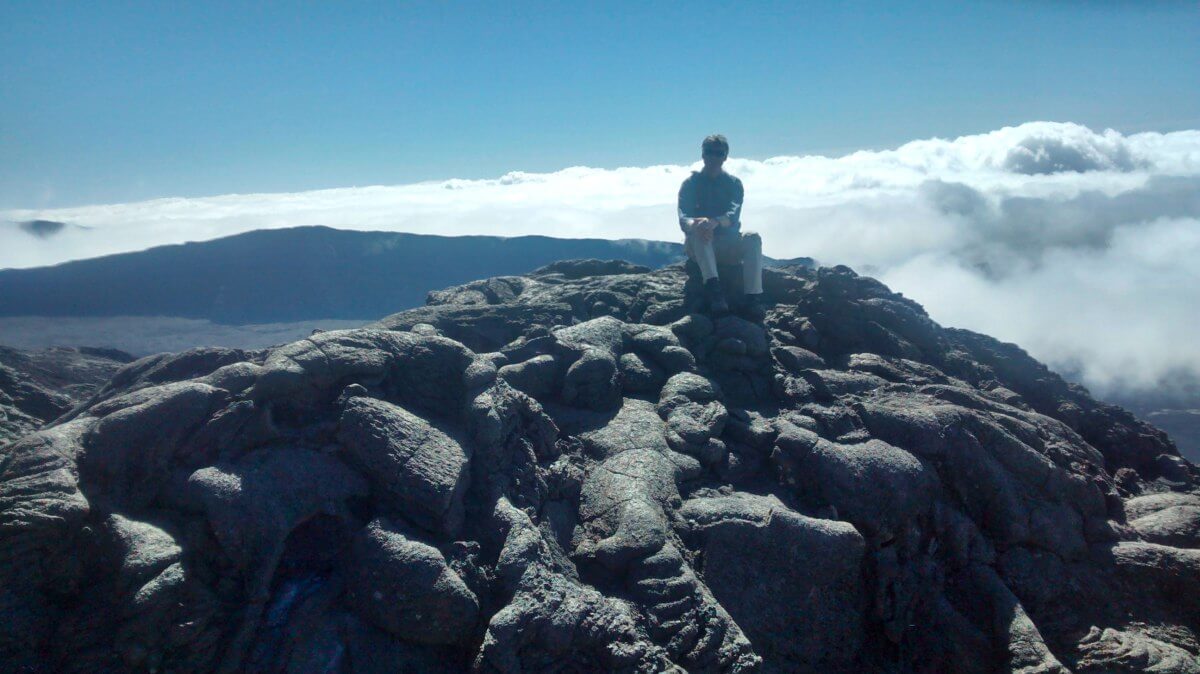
x=713 y=151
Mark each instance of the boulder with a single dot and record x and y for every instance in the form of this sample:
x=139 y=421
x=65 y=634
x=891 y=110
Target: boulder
x=794 y=359
x=683 y=388
x=41 y=505
x=414 y=468
x=878 y=487
x=252 y=504
x=539 y=376
x=406 y=587
x=639 y=375
x=139 y=437
x=794 y=584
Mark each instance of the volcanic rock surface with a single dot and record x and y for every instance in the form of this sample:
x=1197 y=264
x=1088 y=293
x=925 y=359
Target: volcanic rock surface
x=39 y=386
x=576 y=471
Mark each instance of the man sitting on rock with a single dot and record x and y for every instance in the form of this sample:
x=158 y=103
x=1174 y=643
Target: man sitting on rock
x=710 y=206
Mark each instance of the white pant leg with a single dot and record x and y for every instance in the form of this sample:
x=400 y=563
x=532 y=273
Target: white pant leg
x=752 y=263
x=703 y=254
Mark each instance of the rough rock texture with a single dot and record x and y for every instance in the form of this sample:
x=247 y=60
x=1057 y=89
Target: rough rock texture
x=37 y=387
x=575 y=471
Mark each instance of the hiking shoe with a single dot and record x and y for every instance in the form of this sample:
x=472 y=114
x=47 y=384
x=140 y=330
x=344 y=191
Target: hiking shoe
x=753 y=309
x=716 y=297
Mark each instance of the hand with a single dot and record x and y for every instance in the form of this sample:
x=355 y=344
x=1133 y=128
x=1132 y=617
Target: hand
x=703 y=227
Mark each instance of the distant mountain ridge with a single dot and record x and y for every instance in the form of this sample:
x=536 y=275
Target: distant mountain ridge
x=294 y=274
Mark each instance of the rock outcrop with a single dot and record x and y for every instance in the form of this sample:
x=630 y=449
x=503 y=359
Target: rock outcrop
x=37 y=387
x=575 y=471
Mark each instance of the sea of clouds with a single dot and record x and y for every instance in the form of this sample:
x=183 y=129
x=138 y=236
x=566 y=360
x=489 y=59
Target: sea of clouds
x=1081 y=246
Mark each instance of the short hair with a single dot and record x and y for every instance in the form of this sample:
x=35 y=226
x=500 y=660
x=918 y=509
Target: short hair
x=716 y=143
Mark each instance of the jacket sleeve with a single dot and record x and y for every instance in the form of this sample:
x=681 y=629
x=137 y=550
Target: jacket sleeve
x=687 y=197
x=735 y=204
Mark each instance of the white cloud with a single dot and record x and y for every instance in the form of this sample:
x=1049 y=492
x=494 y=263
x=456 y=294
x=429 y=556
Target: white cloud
x=1080 y=246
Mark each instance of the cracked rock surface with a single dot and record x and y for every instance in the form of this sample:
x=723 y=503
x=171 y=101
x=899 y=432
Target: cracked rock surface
x=575 y=471
x=37 y=387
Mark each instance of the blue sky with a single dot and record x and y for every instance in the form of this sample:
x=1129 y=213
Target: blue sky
x=113 y=102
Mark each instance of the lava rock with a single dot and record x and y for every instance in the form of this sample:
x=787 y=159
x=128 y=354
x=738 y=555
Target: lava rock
x=413 y=467
x=506 y=480
x=406 y=587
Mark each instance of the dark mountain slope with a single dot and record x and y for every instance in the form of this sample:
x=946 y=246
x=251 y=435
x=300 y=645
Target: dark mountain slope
x=573 y=471
x=302 y=273
x=283 y=275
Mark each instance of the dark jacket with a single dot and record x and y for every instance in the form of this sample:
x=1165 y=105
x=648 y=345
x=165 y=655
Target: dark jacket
x=703 y=196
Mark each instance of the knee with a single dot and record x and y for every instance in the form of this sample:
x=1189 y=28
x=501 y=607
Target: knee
x=751 y=240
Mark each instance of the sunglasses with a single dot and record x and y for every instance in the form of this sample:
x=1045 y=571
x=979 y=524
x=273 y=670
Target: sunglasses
x=713 y=153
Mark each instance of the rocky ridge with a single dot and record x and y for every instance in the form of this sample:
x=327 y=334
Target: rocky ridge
x=576 y=471
x=37 y=387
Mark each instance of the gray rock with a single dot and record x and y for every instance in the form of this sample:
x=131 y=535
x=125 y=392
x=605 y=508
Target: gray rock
x=1116 y=651
x=876 y=486
x=483 y=327
x=653 y=339
x=593 y=381
x=576 y=269
x=173 y=597
x=1160 y=568
x=425 y=371
x=696 y=423
x=235 y=377
x=1019 y=636
x=683 y=388
x=732 y=345
x=663 y=313
x=605 y=334
x=539 y=376
x=130 y=450
x=792 y=583
x=143 y=550
x=677 y=359
x=837 y=383
x=1141 y=506
x=405 y=587
x=413 y=467
x=693 y=428
x=36 y=387
x=374 y=651
x=752 y=429
x=693 y=327
x=27 y=621
x=480 y=374
x=252 y=506
x=750 y=334
x=255 y=502
x=794 y=359
x=552 y=622
x=41 y=504
x=639 y=375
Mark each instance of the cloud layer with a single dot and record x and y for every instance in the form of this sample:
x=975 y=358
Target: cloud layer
x=1083 y=247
